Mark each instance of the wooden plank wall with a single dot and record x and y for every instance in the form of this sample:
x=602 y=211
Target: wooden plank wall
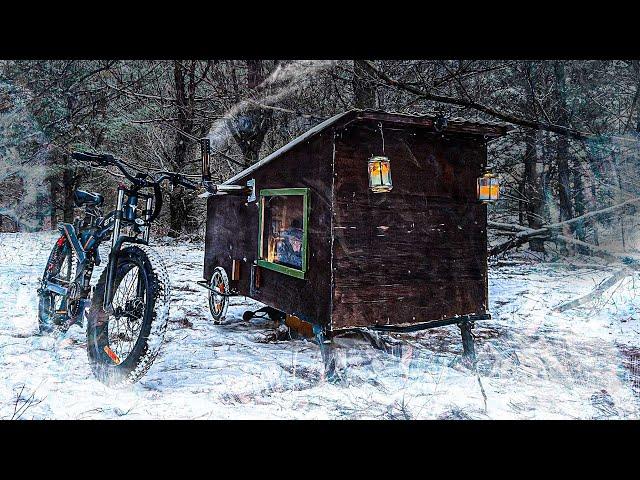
x=232 y=232
x=417 y=253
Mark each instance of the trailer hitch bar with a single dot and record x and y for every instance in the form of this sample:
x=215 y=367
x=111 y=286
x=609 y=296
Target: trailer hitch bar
x=203 y=283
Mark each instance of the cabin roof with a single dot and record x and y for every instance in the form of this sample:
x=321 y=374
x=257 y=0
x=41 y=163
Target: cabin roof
x=488 y=130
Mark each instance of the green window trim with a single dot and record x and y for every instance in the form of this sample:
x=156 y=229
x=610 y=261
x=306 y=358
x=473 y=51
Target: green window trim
x=272 y=192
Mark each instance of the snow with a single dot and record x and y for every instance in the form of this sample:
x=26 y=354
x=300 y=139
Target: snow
x=533 y=363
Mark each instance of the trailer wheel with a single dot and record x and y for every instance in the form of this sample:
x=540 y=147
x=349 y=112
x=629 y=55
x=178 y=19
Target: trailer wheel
x=218 y=303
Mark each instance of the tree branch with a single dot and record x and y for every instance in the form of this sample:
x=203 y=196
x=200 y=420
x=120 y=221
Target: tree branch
x=470 y=103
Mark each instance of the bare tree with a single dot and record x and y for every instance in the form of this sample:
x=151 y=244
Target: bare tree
x=364 y=88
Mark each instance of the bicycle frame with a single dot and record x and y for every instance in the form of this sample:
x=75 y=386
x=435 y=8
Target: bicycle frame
x=85 y=242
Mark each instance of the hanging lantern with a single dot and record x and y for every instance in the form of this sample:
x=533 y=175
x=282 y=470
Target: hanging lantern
x=380 y=170
x=380 y=175
x=488 y=188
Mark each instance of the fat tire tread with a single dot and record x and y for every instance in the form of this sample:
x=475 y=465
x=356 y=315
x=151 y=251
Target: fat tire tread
x=162 y=300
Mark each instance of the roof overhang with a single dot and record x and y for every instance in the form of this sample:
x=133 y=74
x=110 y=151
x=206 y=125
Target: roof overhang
x=486 y=130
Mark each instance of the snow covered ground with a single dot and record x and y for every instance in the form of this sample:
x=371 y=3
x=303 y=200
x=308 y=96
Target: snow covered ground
x=533 y=363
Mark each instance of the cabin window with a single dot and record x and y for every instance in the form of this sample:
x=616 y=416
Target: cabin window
x=283 y=228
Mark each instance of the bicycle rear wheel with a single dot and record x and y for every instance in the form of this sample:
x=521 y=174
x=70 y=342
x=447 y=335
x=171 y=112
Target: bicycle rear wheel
x=53 y=308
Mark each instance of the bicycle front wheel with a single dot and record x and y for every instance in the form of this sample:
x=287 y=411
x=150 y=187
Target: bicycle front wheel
x=124 y=340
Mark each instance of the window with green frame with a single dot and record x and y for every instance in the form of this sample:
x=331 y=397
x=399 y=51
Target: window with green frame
x=283 y=225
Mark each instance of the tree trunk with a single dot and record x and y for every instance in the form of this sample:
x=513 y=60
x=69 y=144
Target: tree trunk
x=578 y=202
x=532 y=190
x=564 y=180
x=620 y=196
x=180 y=202
x=53 y=190
x=590 y=193
x=562 y=150
x=177 y=211
x=364 y=90
x=522 y=203
x=69 y=182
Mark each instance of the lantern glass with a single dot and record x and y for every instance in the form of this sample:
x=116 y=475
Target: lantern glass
x=488 y=188
x=380 y=175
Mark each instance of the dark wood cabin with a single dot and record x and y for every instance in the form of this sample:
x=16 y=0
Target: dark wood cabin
x=355 y=258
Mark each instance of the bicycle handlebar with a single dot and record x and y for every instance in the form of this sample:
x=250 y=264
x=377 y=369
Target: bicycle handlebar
x=176 y=179
x=139 y=180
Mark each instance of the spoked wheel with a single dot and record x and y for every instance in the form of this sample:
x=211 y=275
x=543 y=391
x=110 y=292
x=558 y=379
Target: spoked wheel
x=218 y=303
x=124 y=340
x=125 y=324
x=54 y=308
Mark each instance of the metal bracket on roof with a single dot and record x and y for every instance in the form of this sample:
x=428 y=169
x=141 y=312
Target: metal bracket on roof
x=224 y=189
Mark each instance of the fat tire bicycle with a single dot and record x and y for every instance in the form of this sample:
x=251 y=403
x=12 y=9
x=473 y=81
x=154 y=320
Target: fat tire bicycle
x=127 y=314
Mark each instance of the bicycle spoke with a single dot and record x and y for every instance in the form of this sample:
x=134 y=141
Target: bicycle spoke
x=126 y=322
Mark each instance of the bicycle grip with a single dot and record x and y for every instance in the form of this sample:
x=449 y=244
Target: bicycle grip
x=90 y=157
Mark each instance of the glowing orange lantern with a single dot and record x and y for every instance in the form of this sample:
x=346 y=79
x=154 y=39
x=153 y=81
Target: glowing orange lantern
x=488 y=188
x=380 y=175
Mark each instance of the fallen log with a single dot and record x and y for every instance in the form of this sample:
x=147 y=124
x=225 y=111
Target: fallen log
x=529 y=233
x=600 y=251
x=507 y=227
x=524 y=234
x=596 y=292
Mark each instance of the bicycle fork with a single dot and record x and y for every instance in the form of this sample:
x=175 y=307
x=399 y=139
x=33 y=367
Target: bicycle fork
x=116 y=243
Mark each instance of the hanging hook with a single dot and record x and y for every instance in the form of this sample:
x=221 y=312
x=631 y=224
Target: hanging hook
x=382 y=135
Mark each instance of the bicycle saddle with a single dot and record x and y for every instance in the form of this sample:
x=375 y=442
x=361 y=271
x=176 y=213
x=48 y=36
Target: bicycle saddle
x=80 y=198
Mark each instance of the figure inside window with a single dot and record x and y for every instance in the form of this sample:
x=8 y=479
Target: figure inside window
x=290 y=245
x=284 y=230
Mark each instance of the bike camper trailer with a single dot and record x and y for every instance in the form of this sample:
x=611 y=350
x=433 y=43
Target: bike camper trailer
x=370 y=220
